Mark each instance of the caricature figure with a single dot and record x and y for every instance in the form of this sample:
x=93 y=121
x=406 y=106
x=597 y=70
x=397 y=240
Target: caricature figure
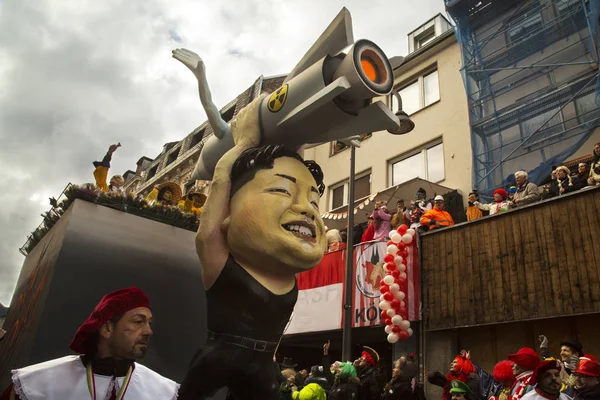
x=260 y=226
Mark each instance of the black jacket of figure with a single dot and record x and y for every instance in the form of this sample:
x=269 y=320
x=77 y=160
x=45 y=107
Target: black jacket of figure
x=553 y=190
x=369 y=387
x=399 y=388
x=592 y=393
x=346 y=390
x=578 y=181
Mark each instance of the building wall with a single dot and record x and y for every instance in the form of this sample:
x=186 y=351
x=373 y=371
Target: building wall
x=446 y=119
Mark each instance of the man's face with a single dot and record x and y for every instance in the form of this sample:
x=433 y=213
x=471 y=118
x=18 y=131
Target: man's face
x=597 y=149
x=472 y=198
x=498 y=197
x=439 y=204
x=565 y=353
x=581 y=169
x=520 y=179
x=129 y=337
x=458 y=396
x=304 y=373
x=549 y=381
x=516 y=369
x=554 y=174
x=420 y=195
x=396 y=370
x=275 y=221
x=584 y=382
x=400 y=205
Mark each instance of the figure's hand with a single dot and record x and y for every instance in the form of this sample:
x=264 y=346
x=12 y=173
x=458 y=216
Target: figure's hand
x=543 y=342
x=294 y=388
x=572 y=362
x=326 y=347
x=113 y=147
x=245 y=127
x=466 y=354
x=190 y=60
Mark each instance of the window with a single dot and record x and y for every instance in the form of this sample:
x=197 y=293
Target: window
x=418 y=94
x=424 y=38
x=525 y=25
x=197 y=138
x=152 y=172
x=567 y=6
x=336 y=146
x=586 y=108
x=189 y=186
x=426 y=163
x=172 y=157
x=338 y=194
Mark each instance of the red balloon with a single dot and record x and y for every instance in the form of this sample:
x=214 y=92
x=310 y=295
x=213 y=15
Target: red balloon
x=402 y=229
x=388 y=258
x=400 y=282
x=404 y=253
x=388 y=321
x=403 y=335
x=388 y=296
x=390 y=242
x=395 y=273
x=396 y=329
x=395 y=303
x=384 y=289
x=391 y=266
x=384 y=315
x=403 y=312
x=401 y=246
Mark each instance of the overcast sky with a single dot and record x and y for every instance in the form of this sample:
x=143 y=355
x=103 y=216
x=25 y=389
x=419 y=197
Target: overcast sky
x=78 y=75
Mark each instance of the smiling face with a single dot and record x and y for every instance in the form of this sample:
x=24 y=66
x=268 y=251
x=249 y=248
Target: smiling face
x=275 y=221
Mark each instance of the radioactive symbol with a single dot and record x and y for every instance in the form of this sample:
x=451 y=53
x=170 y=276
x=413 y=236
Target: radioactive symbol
x=277 y=99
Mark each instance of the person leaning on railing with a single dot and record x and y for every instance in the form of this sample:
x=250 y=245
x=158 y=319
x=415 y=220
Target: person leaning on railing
x=437 y=217
x=527 y=192
x=594 y=178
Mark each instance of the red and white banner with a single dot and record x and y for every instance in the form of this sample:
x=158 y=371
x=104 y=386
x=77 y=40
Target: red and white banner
x=320 y=298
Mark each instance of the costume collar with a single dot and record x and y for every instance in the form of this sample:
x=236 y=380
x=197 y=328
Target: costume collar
x=546 y=395
x=523 y=375
x=109 y=366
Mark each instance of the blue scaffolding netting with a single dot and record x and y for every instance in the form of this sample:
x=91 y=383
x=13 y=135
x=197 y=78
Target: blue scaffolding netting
x=530 y=69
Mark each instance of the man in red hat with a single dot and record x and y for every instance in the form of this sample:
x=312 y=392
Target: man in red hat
x=547 y=381
x=368 y=372
x=587 y=379
x=115 y=334
x=524 y=362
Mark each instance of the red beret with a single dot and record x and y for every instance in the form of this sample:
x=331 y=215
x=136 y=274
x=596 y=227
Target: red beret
x=525 y=358
x=502 y=193
x=543 y=367
x=587 y=367
x=112 y=305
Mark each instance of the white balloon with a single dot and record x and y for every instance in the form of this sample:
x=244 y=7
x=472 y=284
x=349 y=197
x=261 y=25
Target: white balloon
x=389 y=279
x=394 y=287
x=392 y=338
x=392 y=249
x=396 y=319
x=409 y=330
x=407 y=239
x=396 y=237
x=402 y=303
x=392 y=233
x=391 y=312
x=398 y=260
x=411 y=232
x=384 y=305
x=399 y=295
x=381 y=298
x=403 y=275
x=388 y=329
x=404 y=324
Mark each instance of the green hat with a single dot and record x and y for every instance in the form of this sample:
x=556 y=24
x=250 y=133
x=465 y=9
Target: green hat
x=459 y=387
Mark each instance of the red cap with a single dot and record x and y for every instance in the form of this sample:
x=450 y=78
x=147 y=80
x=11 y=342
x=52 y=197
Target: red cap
x=502 y=193
x=525 y=358
x=112 y=305
x=587 y=367
x=543 y=367
x=503 y=372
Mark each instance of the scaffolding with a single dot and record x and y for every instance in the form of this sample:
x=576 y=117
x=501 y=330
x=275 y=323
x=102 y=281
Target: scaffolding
x=530 y=69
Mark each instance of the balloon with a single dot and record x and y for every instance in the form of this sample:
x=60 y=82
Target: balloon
x=409 y=331
x=394 y=287
x=384 y=289
x=392 y=338
x=402 y=245
x=392 y=249
x=411 y=232
x=385 y=305
x=402 y=275
x=402 y=304
x=401 y=281
x=398 y=260
x=391 y=266
x=381 y=298
x=388 y=321
x=388 y=329
x=400 y=296
x=402 y=229
x=388 y=296
x=389 y=258
x=391 y=312
x=404 y=324
x=402 y=335
x=388 y=279
x=396 y=319
x=406 y=238
x=389 y=243
x=402 y=267
x=403 y=253
x=396 y=238
x=395 y=303
x=396 y=329
x=396 y=274
x=392 y=233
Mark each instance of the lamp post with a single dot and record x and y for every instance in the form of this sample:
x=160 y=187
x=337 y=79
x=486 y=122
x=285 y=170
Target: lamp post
x=347 y=330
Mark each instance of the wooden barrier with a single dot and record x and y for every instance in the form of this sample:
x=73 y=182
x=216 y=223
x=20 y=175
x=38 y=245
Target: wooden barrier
x=538 y=261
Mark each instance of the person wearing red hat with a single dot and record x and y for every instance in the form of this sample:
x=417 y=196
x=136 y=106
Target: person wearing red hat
x=499 y=204
x=547 y=382
x=115 y=334
x=461 y=369
x=524 y=362
x=368 y=374
x=587 y=379
x=505 y=377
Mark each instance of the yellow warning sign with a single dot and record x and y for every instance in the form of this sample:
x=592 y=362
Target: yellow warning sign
x=278 y=98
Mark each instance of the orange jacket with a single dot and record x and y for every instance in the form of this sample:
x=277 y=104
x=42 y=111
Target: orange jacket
x=443 y=218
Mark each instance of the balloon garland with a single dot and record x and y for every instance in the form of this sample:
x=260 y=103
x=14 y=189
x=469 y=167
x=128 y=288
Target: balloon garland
x=395 y=285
